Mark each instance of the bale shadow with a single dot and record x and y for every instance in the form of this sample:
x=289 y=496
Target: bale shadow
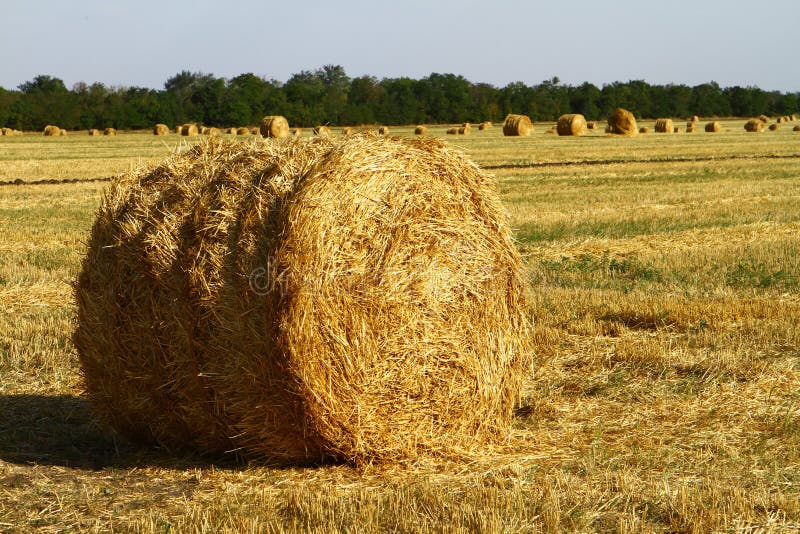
x=60 y=430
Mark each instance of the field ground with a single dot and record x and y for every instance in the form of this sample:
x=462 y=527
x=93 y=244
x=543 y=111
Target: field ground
x=666 y=397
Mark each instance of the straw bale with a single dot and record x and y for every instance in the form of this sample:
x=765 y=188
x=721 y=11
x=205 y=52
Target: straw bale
x=62 y=132
x=464 y=130
x=204 y=130
x=347 y=131
x=754 y=125
x=110 y=131
x=796 y=128
x=571 y=124
x=591 y=125
x=694 y=118
x=354 y=298
x=775 y=126
x=160 y=129
x=94 y=131
x=51 y=131
x=179 y=129
x=452 y=131
x=713 y=127
x=190 y=130
x=212 y=131
x=642 y=130
x=274 y=126
x=484 y=125
x=780 y=119
x=231 y=131
x=764 y=118
x=421 y=130
x=383 y=130
x=322 y=131
x=677 y=129
x=664 y=126
x=795 y=116
x=7 y=131
x=243 y=130
x=517 y=125
x=690 y=127
x=622 y=122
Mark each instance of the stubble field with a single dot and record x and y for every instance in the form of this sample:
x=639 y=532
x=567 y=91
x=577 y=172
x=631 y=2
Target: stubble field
x=665 y=272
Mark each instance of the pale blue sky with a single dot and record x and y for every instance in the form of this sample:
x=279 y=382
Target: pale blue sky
x=144 y=42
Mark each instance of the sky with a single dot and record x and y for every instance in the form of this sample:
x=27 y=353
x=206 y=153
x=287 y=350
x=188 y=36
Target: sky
x=142 y=43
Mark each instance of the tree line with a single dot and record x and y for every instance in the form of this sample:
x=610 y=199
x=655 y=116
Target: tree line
x=329 y=96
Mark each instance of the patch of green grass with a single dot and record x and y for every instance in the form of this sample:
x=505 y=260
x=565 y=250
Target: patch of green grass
x=758 y=274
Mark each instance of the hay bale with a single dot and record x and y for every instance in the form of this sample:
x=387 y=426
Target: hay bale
x=347 y=131
x=796 y=128
x=795 y=116
x=421 y=130
x=213 y=131
x=452 y=131
x=190 y=130
x=571 y=124
x=677 y=129
x=775 y=126
x=94 y=132
x=243 y=130
x=779 y=119
x=517 y=125
x=231 y=131
x=664 y=126
x=383 y=130
x=690 y=127
x=357 y=299
x=464 y=130
x=62 y=132
x=484 y=125
x=642 y=130
x=622 y=122
x=7 y=131
x=297 y=132
x=110 y=131
x=322 y=131
x=178 y=129
x=160 y=129
x=713 y=127
x=51 y=131
x=274 y=126
x=754 y=125
x=591 y=125
x=764 y=118
x=694 y=119
x=203 y=130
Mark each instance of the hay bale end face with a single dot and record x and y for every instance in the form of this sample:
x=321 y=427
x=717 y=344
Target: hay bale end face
x=160 y=129
x=412 y=317
x=421 y=130
x=754 y=125
x=664 y=126
x=274 y=126
x=517 y=125
x=51 y=131
x=713 y=127
x=571 y=124
x=622 y=122
x=189 y=130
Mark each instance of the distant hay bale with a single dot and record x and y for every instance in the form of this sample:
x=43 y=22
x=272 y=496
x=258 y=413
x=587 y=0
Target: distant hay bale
x=775 y=126
x=243 y=130
x=754 y=125
x=255 y=130
x=231 y=131
x=322 y=131
x=796 y=128
x=62 y=132
x=356 y=298
x=622 y=122
x=779 y=119
x=642 y=130
x=517 y=125
x=764 y=118
x=212 y=131
x=694 y=118
x=664 y=126
x=464 y=130
x=678 y=129
x=8 y=131
x=452 y=131
x=160 y=129
x=203 y=130
x=274 y=126
x=421 y=130
x=110 y=131
x=190 y=130
x=94 y=132
x=484 y=125
x=795 y=116
x=297 y=132
x=383 y=130
x=51 y=131
x=713 y=127
x=347 y=131
x=178 y=129
x=591 y=125
x=571 y=124
x=690 y=127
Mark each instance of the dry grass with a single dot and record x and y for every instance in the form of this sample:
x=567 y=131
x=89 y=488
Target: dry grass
x=664 y=398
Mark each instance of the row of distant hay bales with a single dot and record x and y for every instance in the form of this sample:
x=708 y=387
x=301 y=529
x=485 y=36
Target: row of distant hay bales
x=9 y=131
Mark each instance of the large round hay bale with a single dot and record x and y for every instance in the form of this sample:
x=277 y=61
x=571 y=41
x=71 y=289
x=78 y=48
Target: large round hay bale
x=322 y=131
x=713 y=127
x=775 y=126
x=160 y=129
x=62 y=132
x=51 y=131
x=664 y=126
x=243 y=130
x=212 y=131
x=110 y=131
x=642 y=130
x=780 y=119
x=190 y=130
x=179 y=129
x=274 y=126
x=796 y=128
x=622 y=122
x=465 y=130
x=421 y=130
x=754 y=125
x=261 y=297
x=231 y=131
x=452 y=131
x=571 y=124
x=764 y=118
x=690 y=127
x=383 y=130
x=517 y=125
x=7 y=131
